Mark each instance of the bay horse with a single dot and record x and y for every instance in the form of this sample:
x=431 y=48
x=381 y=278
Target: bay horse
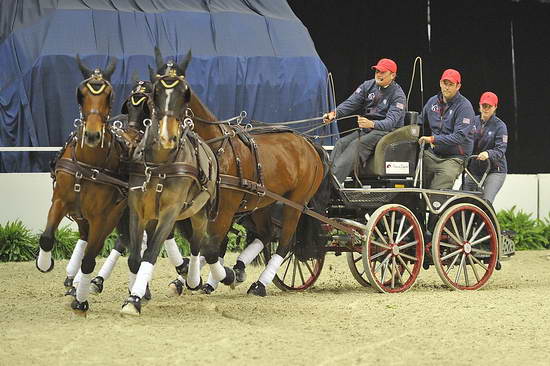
x=283 y=163
x=88 y=185
x=174 y=179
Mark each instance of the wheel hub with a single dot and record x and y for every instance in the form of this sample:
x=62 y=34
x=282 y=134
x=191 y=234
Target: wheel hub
x=395 y=249
x=467 y=248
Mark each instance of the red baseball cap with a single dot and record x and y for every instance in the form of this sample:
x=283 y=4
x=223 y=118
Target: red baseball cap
x=451 y=75
x=385 y=64
x=489 y=98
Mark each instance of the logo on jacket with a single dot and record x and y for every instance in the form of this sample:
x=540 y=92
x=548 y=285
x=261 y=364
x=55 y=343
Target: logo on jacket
x=435 y=108
x=466 y=121
x=370 y=96
x=505 y=138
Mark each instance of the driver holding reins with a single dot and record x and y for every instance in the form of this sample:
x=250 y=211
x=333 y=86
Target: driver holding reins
x=381 y=103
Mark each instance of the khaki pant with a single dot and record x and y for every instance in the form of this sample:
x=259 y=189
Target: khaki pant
x=440 y=173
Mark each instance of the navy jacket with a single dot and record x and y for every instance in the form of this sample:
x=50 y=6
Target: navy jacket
x=490 y=136
x=386 y=106
x=452 y=125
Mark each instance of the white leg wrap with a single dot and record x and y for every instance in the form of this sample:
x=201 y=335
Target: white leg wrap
x=110 y=262
x=271 y=269
x=251 y=252
x=76 y=258
x=143 y=277
x=216 y=271
x=173 y=252
x=44 y=260
x=202 y=261
x=131 y=280
x=194 y=275
x=83 y=288
x=77 y=278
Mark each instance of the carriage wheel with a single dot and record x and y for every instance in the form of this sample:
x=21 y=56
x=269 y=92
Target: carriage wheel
x=465 y=247
x=356 y=267
x=295 y=275
x=394 y=249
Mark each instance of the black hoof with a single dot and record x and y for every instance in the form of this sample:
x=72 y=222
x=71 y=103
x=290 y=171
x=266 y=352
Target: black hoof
x=240 y=272
x=258 y=289
x=80 y=306
x=132 y=305
x=183 y=268
x=68 y=283
x=97 y=284
x=178 y=285
x=195 y=288
x=229 y=279
x=147 y=295
x=71 y=291
x=46 y=271
x=207 y=289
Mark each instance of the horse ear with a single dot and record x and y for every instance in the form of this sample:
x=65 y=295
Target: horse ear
x=158 y=58
x=152 y=74
x=110 y=69
x=183 y=65
x=86 y=72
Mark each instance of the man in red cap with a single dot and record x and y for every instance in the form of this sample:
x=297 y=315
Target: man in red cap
x=490 y=143
x=380 y=102
x=451 y=119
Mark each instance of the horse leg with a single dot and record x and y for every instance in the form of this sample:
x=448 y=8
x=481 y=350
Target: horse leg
x=137 y=225
x=213 y=233
x=261 y=233
x=288 y=227
x=212 y=284
x=44 y=261
x=181 y=264
x=120 y=246
x=73 y=267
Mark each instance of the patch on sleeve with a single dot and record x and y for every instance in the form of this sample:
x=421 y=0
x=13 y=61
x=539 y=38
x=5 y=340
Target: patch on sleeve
x=505 y=138
x=358 y=90
x=466 y=121
x=400 y=105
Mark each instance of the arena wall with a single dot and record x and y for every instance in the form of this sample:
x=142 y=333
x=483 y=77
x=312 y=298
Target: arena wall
x=26 y=196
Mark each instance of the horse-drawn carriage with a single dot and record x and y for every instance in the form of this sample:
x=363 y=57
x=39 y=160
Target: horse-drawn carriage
x=387 y=214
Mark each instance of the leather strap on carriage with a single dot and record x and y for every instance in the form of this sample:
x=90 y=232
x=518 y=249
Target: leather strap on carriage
x=234 y=183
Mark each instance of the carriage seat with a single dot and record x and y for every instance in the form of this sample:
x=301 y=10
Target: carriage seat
x=395 y=154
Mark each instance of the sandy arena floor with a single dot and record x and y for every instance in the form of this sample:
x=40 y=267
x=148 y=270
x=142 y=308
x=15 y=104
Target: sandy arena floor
x=338 y=322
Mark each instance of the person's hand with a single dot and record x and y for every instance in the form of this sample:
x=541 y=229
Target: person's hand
x=483 y=155
x=365 y=122
x=329 y=117
x=426 y=139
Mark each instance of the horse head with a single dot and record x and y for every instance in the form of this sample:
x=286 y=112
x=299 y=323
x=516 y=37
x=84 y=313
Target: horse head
x=94 y=95
x=171 y=95
x=137 y=106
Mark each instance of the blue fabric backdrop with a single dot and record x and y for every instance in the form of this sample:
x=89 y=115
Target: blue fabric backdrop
x=252 y=55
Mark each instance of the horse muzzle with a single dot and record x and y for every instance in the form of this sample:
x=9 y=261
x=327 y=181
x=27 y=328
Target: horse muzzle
x=92 y=139
x=168 y=142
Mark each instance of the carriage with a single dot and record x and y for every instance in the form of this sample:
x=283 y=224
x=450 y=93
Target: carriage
x=386 y=212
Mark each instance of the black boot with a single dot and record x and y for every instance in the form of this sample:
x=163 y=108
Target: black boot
x=97 y=284
x=240 y=272
x=258 y=289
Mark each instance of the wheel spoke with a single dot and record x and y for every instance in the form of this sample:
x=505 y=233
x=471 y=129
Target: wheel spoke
x=479 y=251
x=458 y=241
x=392 y=227
x=294 y=272
x=459 y=269
x=287 y=266
x=463 y=222
x=469 y=225
x=408 y=256
x=457 y=233
x=309 y=268
x=380 y=235
x=404 y=264
x=358 y=259
x=404 y=234
x=448 y=245
x=405 y=246
x=479 y=262
x=473 y=267
x=456 y=252
x=481 y=240
x=478 y=230
x=400 y=230
x=452 y=265
x=466 y=272
x=379 y=254
x=387 y=228
x=380 y=244
x=393 y=269
x=300 y=271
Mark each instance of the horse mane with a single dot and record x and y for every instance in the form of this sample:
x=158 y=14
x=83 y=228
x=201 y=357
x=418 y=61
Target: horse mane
x=200 y=109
